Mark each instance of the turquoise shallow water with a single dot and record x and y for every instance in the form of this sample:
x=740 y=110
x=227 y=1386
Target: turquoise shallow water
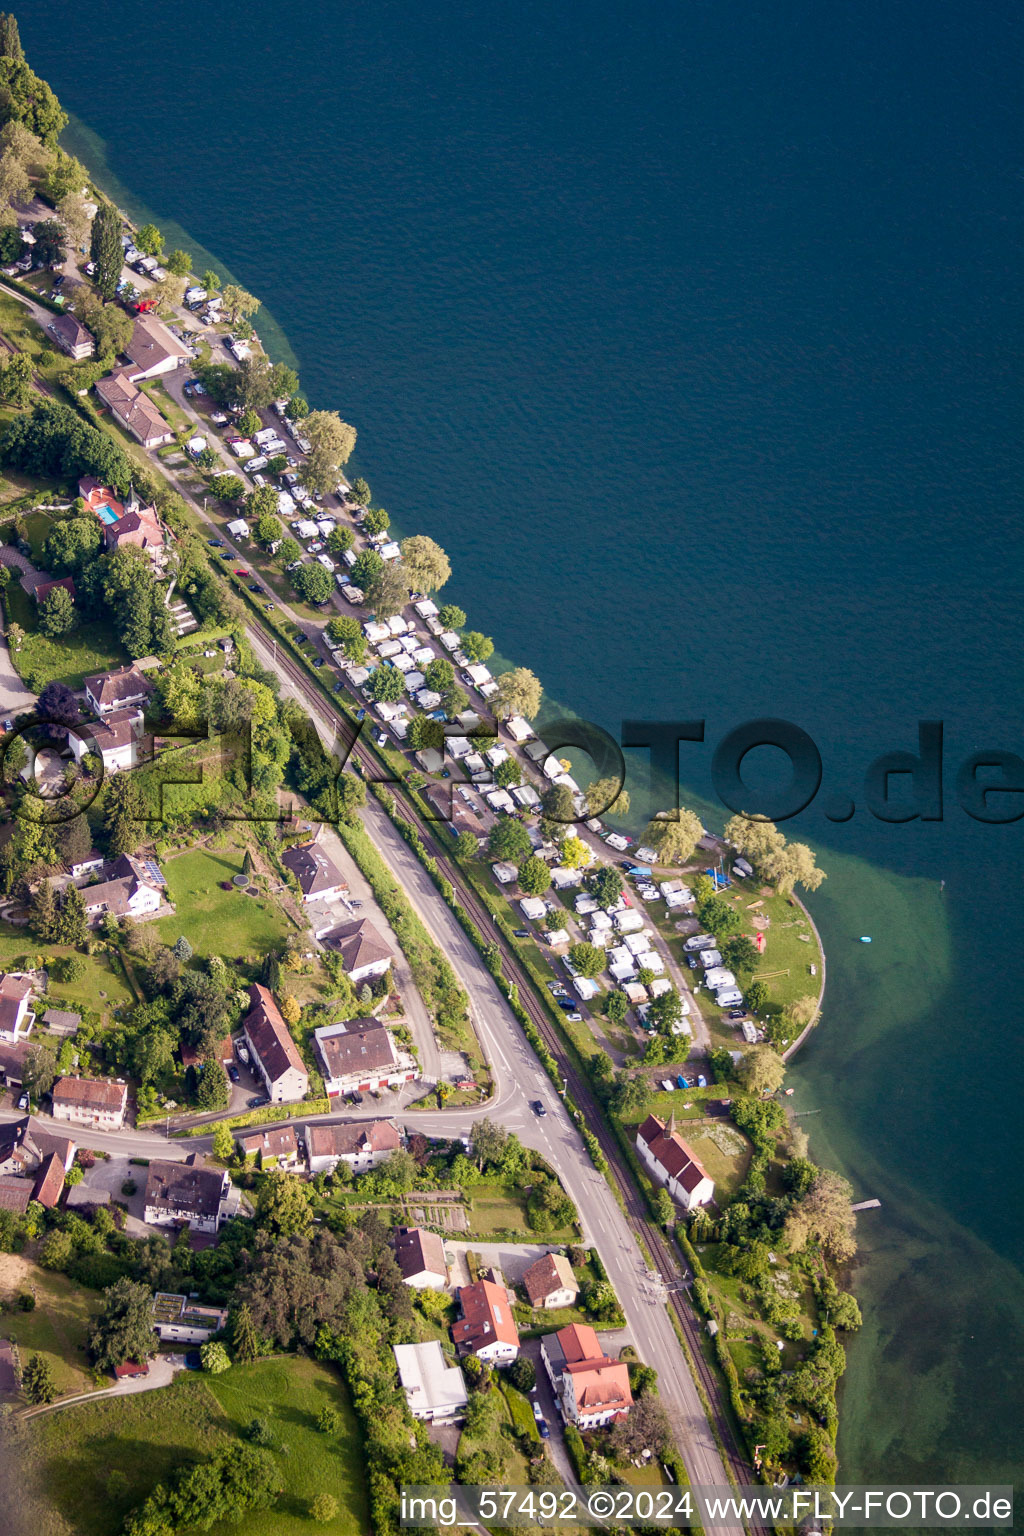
x=693 y=334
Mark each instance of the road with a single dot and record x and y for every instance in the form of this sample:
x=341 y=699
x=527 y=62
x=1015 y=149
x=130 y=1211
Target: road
x=519 y=1081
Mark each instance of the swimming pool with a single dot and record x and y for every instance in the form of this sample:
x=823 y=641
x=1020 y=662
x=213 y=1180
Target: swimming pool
x=106 y=514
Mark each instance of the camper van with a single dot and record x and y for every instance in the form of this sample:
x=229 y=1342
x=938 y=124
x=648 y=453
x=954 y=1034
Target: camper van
x=728 y=997
x=699 y=941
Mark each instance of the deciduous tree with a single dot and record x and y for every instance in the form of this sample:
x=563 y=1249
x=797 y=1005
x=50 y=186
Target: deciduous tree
x=675 y=837
x=519 y=693
x=123 y=1329
x=331 y=443
x=426 y=563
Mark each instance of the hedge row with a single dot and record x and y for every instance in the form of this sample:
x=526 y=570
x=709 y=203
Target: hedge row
x=264 y=1116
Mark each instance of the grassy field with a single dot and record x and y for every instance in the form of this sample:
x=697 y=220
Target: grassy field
x=215 y=921
x=59 y=1326
x=500 y=1207
x=68 y=659
x=101 y=988
x=148 y=1435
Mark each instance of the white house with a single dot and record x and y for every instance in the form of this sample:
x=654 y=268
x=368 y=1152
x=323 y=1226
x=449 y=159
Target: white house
x=591 y=1389
x=670 y=1162
x=124 y=689
x=93 y=1101
x=364 y=953
x=434 y=1390
x=361 y=1055
x=486 y=1327
x=15 y=1019
x=116 y=739
x=420 y=1256
x=179 y=1320
x=132 y=887
x=550 y=1282
x=362 y=1144
x=274 y=1052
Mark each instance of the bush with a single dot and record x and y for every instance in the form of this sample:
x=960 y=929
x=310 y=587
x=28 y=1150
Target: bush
x=129 y=1187
x=523 y=1374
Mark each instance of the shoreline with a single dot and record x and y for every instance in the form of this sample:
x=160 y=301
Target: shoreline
x=799 y=903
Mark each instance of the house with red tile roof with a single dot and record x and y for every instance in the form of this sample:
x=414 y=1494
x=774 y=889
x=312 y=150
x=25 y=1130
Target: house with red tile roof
x=550 y=1282
x=591 y=1388
x=362 y=1144
x=273 y=1050
x=94 y=1101
x=486 y=1327
x=670 y=1162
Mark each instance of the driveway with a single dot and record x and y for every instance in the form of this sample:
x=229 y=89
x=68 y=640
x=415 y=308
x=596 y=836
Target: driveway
x=162 y=1371
x=15 y=698
x=512 y=1259
x=543 y=1393
x=109 y=1174
x=415 y=1009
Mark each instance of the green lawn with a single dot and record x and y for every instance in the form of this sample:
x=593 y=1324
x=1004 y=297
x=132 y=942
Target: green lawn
x=146 y=1436
x=68 y=659
x=59 y=1326
x=214 y=921
x=101 y=988
x=502 y=1207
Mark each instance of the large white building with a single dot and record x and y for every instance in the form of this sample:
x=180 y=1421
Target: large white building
x=93 y=1101
x=274 y=1052
x=361 y=1055
x=434 y=1390
x=670 y=1162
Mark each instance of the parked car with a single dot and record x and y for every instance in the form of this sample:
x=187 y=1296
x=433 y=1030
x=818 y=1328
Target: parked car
x=520 y=933
x=233 y=1074
x=258 y=1101
x=737 y=1013
x=542 y=1429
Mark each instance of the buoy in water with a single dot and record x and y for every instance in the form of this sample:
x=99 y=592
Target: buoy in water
x=864 y=939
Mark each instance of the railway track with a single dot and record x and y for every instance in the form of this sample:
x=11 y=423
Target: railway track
x=643 y=1227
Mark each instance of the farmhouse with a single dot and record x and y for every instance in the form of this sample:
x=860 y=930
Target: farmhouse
x=185 y=1194
x=670 y=1162
x=362 y=1145
x=275 y=1149
x=274 y=1051
x=93 y=1101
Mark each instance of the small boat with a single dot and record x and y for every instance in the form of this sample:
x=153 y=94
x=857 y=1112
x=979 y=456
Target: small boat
x=864 y=939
